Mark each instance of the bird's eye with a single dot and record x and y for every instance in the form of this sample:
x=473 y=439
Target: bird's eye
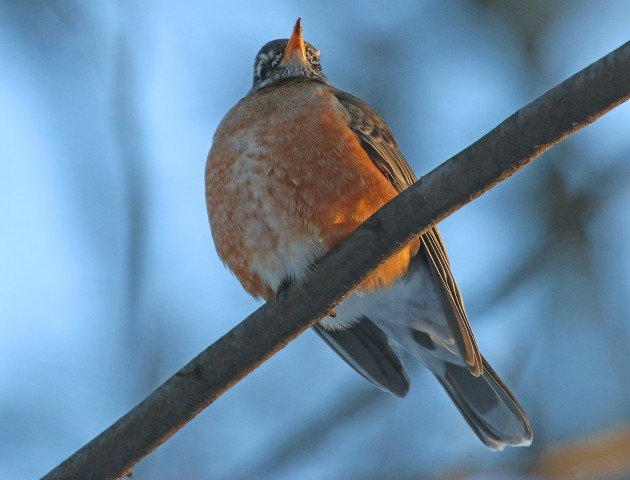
x=261 y=70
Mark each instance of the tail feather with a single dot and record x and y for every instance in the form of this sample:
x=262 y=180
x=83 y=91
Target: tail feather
x=487 y=405
x=366 y=349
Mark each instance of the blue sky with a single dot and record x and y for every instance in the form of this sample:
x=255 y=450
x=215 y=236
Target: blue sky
x=107 y=104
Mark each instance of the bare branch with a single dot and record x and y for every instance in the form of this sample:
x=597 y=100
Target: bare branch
x=499 y=154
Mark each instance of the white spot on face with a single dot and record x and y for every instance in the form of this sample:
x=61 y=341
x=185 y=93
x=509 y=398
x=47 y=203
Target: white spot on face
x=276 y=60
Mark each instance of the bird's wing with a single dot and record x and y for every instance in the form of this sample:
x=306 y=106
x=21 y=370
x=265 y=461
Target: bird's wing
x=378 y=142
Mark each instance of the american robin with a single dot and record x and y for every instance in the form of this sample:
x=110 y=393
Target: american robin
x=297 y=165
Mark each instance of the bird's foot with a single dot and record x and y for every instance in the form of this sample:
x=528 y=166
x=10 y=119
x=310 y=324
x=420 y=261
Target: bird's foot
x=282 y=288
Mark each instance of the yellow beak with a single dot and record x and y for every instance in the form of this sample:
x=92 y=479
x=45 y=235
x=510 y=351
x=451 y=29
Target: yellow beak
x=295 y=51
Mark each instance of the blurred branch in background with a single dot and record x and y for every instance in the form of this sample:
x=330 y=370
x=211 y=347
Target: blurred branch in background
x=128 y=134
x=499 y=154
x=129 y=140
x=146 y=343
x=571 y=213
x=600 y=457
x=604 y=456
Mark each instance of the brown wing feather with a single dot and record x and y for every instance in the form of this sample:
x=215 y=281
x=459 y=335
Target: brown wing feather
x=378 y=142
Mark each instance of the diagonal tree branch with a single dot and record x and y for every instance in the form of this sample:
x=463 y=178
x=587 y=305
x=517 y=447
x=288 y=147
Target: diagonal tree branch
x=499 y=154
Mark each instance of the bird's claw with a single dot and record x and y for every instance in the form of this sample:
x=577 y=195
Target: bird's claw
x=282 y=288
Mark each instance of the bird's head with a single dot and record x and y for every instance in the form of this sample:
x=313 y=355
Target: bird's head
x=281 y=59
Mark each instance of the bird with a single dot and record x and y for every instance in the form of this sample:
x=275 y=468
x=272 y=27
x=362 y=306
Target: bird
x=297 y=165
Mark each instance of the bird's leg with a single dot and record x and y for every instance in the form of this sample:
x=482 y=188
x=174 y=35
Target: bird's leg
x=331 y=312
x=282 y=288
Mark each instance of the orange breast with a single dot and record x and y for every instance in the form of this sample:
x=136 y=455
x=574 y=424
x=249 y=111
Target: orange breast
x=286 y=180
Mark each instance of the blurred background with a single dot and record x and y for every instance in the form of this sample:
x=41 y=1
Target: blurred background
x=109 y=281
